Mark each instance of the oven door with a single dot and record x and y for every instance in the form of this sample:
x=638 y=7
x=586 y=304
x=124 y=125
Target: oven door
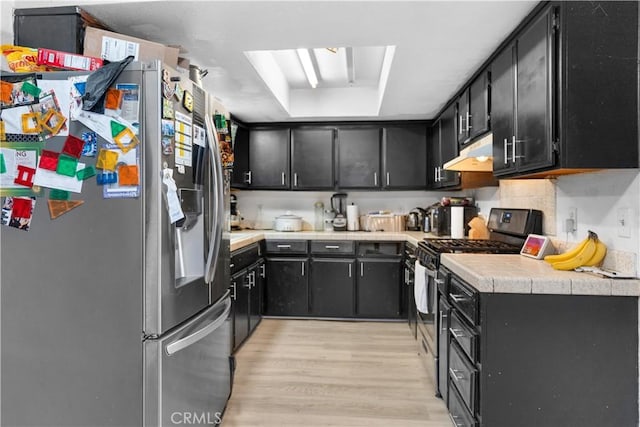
x=426 y=324
x=412 y=311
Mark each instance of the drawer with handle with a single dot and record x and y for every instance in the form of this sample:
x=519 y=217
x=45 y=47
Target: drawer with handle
x=458 y=412
x=465 y=299
x=338 y=247
x=297 y=247
x=464 y=375
x=465 y=336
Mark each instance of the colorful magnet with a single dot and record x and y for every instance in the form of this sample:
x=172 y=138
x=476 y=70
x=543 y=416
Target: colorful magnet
x=128 y=175
x=55 y=194
x=25 y=176
x=166 y=77
x=6 y=90
x=3 y=135
x=49 y=160
x=178 y=92
x=116 y=128
x=86 y=173
x=167 y=90
x=126 y=140
x=113 y=99
x=53 y=121
x=81 y=87
x=61 y=207
x=107 y=178
x=90 y=148
x=31 y=89
x=31 y=123
x=73 y=146
x=187 y=101
x=3 y=165
x=167 y=145
x=107 y=160
x=67 y=165
x=21 y=207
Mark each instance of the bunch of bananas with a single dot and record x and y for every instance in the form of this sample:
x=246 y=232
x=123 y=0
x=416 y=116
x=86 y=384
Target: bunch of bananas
x=589 y=252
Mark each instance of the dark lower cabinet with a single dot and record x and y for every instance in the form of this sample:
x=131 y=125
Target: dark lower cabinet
x=331 y=287
x=287 y=289
x=378 y=287
x=257 y=278
x=443 y=347
x=240 y=295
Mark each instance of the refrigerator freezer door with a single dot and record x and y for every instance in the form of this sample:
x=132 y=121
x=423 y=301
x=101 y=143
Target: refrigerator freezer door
x=188 y=372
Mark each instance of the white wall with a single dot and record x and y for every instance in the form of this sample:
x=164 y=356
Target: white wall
x=6 y=21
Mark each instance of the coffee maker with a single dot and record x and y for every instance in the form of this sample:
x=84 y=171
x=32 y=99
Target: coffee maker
x=234 y=214
x=339 y=206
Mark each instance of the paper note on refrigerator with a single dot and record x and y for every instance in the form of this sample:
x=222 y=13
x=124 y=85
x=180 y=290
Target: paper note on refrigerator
x=52 y=179
x=183 y=149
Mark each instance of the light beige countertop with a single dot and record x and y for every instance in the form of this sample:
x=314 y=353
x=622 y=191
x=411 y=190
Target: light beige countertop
x=242 y=238
x=522 y=275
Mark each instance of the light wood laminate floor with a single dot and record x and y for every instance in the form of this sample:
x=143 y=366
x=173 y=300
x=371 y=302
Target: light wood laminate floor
x=312 y=373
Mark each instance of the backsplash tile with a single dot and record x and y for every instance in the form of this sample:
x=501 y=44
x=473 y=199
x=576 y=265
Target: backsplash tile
x=531 y=194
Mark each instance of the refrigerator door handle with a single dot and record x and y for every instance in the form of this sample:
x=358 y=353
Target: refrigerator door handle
x=185 y=342
x=217 y=226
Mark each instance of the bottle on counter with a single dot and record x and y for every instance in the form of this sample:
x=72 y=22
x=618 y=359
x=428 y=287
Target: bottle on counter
x=319 y=216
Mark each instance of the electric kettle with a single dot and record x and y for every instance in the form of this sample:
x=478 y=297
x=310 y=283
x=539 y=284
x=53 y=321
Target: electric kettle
x=415 y=219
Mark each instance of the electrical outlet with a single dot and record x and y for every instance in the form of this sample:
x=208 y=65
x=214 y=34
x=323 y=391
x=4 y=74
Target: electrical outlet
x=624 y=222
x=571 y=223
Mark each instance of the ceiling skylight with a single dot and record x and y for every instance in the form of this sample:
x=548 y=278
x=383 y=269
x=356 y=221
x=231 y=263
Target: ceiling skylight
x=326 y=82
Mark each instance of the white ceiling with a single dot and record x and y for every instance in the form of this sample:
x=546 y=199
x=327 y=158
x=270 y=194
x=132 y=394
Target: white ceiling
x=439 y=44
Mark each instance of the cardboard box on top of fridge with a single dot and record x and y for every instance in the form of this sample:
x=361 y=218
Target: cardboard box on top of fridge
x=115 y=47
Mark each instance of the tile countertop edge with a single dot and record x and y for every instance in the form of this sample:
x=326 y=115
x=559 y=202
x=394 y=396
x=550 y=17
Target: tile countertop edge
x=243 y=238
x=481 y=270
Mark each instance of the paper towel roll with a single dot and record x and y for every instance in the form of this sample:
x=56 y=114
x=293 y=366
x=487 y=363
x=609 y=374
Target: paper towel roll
x=353 y=222
x=457 y=222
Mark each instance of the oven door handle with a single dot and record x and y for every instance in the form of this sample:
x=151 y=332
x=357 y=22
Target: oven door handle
x=431 y=273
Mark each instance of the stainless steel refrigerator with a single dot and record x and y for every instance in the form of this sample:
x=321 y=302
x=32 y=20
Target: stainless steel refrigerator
x=111 y=314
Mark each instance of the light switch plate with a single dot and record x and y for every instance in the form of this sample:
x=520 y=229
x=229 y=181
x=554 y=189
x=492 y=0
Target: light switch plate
x=624 y=222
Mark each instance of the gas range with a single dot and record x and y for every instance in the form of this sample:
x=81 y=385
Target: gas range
x=508 y=228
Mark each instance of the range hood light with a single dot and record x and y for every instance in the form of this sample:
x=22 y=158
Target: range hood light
x=474 y=158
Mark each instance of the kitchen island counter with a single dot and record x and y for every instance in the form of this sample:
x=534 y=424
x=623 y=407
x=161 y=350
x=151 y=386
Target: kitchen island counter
x=518 y=274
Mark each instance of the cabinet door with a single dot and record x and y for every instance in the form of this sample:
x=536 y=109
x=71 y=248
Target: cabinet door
x=378 y=288
x=255 y=296
x=358 y=158
x=269 y=158
x=312 y=159
x=502 y=109
x=443 y=346
x=533 y=145
x=433 y=155
x=240 y=295
x=240 y=175
x=331 y=287
x=448 y=147
x=478 y=122
x=462 y=119
x=286 y=291
x=405 y=157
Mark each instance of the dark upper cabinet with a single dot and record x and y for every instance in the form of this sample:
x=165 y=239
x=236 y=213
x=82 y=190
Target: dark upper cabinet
x=479 y=96
x=269 y=158
x=240 y=174
x=564 y=92
x=462 y=118
x=312 y=159
x=404 y=157
x=358 y=158
x=443 y=146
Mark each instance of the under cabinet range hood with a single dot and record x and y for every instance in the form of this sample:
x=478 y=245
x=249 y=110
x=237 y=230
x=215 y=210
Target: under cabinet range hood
x=477 y=157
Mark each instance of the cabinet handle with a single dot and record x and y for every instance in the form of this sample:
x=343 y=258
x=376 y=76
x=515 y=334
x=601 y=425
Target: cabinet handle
x=469 y=116
x=295 y=179
x=442 y=317
x=302 y=267
x=506 y=152
x=361 y=269
x=247 y=281
x=233 y=295
x=263 y=271
x=435 y=174
x=460 y=124
x=458 y=297
x=247 y=178
x=439 y=281
x=454 y=374
x=253 y=279
x=232 y=265
x=513 y=149
x=284 y=246
x=349 y=270
x=388 y=179
x=283 y=176
x=375 y=179
x=457 y=333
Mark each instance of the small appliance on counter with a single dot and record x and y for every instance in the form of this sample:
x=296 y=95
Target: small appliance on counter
x=353 y=218
x=288 y=222
x=234 y=214
x=339 y=205
x=415 y=219
x=441 y=219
